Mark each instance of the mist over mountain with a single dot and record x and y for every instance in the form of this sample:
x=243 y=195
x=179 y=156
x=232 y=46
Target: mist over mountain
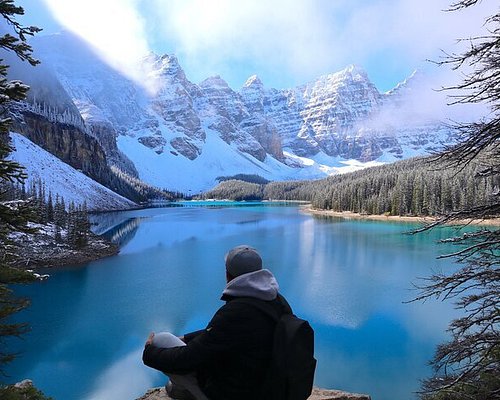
x=182 y=136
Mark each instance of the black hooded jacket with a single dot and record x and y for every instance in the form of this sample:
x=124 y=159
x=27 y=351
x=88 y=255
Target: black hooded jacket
x=231 y=355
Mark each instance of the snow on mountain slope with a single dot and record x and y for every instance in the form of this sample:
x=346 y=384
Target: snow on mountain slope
x=218 y=159
x=90 y=80
x=62 y=179
x=183 y=136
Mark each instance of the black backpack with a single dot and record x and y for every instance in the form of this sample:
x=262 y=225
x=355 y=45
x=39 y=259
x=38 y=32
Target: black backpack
x=291 y=372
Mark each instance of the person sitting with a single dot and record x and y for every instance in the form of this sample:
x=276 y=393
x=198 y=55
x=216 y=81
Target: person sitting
x=227 y=360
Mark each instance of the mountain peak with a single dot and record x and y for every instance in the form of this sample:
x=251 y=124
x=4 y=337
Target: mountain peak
x=355 y=71
x=352 y=74
x=253 y=81
x=416 y=78
x=215 y=82
x=166 y=64
x=169 y=61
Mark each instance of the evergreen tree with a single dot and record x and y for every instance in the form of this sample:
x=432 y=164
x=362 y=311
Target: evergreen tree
x=78 y=225
x=14 y=215
x=50 y=208
x=82 y=226
x=59 y=218
x=71 y=235
x=468 y=365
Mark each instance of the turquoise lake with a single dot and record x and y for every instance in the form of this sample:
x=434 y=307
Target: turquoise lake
x=351 y=279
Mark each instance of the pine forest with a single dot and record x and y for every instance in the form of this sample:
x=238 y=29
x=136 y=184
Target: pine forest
x=414 y=187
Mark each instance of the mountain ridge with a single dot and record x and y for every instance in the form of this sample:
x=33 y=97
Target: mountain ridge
x=185 y=135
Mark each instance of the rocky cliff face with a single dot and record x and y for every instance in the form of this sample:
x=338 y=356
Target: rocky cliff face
x=174 y=103
x=223 y=111
x=106 y=135
x=67 y=142
x=323 y=115
x=261 y=126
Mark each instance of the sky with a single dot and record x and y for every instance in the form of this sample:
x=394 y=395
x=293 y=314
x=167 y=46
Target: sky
x=284 y=42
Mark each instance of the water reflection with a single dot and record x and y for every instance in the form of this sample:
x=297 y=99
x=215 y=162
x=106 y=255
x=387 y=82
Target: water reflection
x=124 y=232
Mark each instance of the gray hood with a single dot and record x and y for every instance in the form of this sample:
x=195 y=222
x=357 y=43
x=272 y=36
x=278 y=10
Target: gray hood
x=259 y=284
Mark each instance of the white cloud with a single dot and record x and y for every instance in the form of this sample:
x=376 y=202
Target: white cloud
x=280 y=34
x=288 y=40
x=305 y=38
x=114 y=27
x=414 y=30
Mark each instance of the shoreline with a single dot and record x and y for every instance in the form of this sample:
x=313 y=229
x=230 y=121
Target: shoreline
x=41 y=253
x=396 y=218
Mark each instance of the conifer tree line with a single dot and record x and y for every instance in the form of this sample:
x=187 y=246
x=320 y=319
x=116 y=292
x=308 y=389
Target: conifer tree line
x=235 y=189
x=51 y=113
x=411 y=187
x=70 y=222
x=137 y=190
x=243 y=190
x=252 y=178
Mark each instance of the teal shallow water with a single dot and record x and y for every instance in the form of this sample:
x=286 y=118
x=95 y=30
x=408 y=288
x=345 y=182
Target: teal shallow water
x=348 y=278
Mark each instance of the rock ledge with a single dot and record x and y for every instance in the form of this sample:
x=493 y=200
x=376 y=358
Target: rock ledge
x=317 y=394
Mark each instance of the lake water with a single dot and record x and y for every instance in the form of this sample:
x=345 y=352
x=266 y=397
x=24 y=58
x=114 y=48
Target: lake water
x=349 y=278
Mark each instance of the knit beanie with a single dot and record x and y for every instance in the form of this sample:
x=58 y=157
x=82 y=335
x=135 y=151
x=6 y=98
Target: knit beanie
x=242 y=260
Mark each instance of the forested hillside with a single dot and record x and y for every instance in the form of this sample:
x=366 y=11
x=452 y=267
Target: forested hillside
x=409 y=187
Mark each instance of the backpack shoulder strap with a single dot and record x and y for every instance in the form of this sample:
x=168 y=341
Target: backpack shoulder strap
x=265 y=306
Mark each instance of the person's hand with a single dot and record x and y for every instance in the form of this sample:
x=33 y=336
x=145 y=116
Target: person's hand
x=150 y=339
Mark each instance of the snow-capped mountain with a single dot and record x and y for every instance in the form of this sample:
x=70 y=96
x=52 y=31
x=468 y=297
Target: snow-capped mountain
x=185 y=135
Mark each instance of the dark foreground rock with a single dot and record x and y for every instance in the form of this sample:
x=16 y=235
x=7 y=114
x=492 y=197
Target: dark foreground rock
x=41 y=250
x=317 y=394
